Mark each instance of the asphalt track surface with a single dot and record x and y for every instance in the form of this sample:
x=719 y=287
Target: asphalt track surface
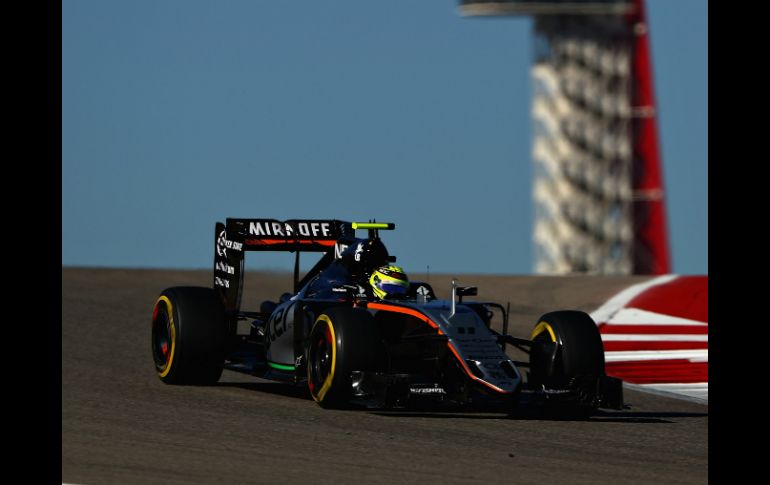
x=121 y=424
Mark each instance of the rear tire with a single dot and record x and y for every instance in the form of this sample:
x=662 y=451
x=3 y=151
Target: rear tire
x=579 y=354
x=189 y=334
x=342 y=340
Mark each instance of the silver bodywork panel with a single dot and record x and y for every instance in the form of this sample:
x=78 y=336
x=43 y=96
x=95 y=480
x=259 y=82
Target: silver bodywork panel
x=472 y=342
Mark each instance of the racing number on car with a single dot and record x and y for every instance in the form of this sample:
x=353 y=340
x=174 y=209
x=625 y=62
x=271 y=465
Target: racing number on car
x=277 y=323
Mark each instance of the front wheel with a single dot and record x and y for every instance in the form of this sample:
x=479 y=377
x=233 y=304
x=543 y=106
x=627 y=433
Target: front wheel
x=570 y=355
x=342 y=340
x=189 y=333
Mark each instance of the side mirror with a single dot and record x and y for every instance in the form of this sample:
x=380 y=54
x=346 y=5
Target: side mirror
x=467 y=291
x=460 y=292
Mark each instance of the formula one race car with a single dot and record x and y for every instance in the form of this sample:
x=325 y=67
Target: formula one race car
x=357 y=332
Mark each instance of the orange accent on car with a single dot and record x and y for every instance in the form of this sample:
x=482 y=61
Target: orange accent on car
x=426 y=319
x=271 y=242
x=408 y=311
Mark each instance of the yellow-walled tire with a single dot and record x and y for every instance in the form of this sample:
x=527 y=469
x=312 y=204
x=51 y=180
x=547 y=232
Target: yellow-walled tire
x=189 y=333
x=579 y=354
x=580 y=349
x=342 y=340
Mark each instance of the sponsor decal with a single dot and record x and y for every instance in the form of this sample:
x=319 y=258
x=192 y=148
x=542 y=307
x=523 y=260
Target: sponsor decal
x=358 y=291
x=221 y=248
x=427 y=390
x=477 y=340
x=224 y=267
x=223 y=244
x=223 y=282
x=422 y=291
x=285 y=229
x=554 y=391
x=278 y=322
x=359 y=250
x=339 y=248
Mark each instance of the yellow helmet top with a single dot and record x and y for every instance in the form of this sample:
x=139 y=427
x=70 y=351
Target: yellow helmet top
x=389 y=280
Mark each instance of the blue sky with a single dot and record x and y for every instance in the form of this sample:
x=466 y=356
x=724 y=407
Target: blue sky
x=177 y=114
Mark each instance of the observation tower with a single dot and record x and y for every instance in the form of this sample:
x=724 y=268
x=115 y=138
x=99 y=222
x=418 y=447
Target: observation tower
x=598 y=184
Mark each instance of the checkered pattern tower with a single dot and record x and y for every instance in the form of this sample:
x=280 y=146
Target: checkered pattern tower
x=598 y=189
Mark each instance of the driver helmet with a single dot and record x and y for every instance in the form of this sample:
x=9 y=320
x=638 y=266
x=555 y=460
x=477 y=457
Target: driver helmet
x=388 y=281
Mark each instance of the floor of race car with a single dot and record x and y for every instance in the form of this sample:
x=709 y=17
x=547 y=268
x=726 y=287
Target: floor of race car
x=120 y=424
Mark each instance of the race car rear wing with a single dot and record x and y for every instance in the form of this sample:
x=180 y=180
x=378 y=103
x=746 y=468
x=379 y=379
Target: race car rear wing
x=292 y=235
x=236 y=236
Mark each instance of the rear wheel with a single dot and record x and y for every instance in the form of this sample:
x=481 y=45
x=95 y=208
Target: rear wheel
x=572 y=353
x=342 y=340
x=189 y=333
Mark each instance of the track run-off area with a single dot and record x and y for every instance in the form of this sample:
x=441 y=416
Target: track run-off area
x=121 y=424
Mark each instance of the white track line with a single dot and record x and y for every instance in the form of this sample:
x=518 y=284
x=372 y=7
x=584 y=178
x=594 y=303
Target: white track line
x=607 y=310
x=613 y=312
x=698 y=355
x=697 y=392
x=635 y=316
x=646 y=337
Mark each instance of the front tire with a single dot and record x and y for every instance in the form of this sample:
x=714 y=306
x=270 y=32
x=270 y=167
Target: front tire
x=342 y=340
x=189 y=333
x=574 y=352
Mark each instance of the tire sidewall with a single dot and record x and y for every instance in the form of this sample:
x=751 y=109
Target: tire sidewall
x=580 y=351
x=356 y=347
x=199 y=334
x=164 y=312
